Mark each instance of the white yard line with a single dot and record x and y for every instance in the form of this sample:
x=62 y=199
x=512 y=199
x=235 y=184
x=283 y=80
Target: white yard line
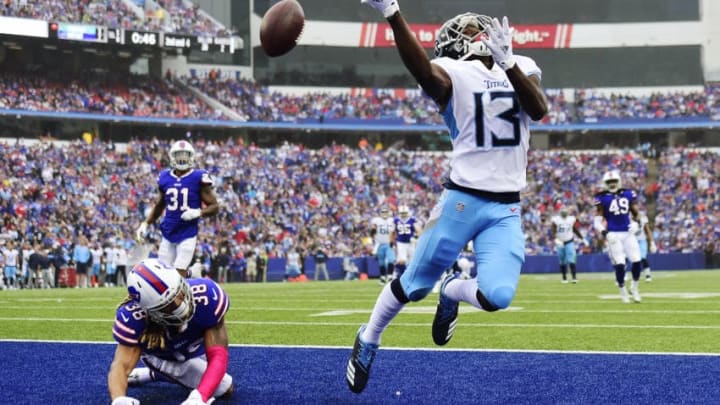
x=398 y=348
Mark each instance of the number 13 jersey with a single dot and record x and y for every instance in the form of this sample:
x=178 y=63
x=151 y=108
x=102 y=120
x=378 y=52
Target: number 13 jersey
x=489 y=130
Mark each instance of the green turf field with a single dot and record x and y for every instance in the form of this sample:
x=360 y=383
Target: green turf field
x=679 y=313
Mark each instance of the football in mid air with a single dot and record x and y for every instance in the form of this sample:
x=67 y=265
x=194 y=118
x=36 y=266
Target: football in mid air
x=281 y=27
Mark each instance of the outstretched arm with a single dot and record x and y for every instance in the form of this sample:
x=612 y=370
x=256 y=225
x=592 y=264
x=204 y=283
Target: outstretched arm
x=126 y=357
x=433 y=79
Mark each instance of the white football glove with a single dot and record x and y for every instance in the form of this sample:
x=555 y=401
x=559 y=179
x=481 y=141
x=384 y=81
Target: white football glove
x=190 y=214
x=196 y=399
x=652 y=248
x=499 y=42
x=125 y=400
x=141 y=232
x=559 y=243
x=386 y=7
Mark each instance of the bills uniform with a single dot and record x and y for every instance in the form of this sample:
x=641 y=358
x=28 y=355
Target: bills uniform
x=622 y=243
x=564 y=232
x=404 y=234
x=182 y=359
x=181 y=193
x=481 y=202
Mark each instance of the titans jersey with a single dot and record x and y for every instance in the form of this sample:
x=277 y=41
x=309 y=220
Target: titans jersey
x=404 y=229
x=383 y=229
x=640 y=231
x=489 y=131
x=211 y=304
x=181 y=193
x=564 y=227
x=616 y=208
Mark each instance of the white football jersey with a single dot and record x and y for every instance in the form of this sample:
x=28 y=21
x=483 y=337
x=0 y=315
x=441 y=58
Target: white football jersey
x=564 y=227
x=383 y=228
x=640 y=230
x=489 y=131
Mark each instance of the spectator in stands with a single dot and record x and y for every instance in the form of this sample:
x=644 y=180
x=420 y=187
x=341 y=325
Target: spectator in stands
x=221 y=263
x=321 y=259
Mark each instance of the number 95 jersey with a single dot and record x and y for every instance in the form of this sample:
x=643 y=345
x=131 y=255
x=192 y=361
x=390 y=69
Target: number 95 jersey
x=489 y=131
x=181 y=193
x=616 y=208
x=211 y=305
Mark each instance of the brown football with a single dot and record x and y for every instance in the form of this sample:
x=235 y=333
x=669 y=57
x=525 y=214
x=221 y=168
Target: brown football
x=281 y=27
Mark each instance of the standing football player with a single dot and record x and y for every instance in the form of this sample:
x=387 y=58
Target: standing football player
x=183 y=191
x=563 y=228
x=381 y=229
x=177 y=328
x=406 y=230
x=641 y=230
x=614 y=205
x=487 y=97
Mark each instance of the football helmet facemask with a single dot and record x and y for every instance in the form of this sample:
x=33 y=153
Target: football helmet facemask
x=404 y=211
x=454 y=43
x=612 y=180
x=162 y=292
x=182 y=155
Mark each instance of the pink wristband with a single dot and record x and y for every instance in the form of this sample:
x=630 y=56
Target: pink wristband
x=217 y=359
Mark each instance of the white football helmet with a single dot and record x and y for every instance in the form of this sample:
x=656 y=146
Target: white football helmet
x=612 y=180
x=404 y=211
x=162 y=292
x=384 y=212
x=182 y=155
x=453 y=42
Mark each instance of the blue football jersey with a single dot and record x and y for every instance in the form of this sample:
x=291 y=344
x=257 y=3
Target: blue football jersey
x=181 y=193
x=211 y=304
x=404 y=229
x=616 y=208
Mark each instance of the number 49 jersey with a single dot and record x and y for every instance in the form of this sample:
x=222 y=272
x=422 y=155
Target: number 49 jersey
x=211 y=305
x=616 y=208
x=181 y=193
x=489 y=131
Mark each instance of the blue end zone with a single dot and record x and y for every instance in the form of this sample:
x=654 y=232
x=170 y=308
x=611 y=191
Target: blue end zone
x=68 y=373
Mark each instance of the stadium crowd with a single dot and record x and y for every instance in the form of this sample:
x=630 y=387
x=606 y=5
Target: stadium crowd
x=293 y=198
x=137 y=96
x=175 y=16
x=168 y=97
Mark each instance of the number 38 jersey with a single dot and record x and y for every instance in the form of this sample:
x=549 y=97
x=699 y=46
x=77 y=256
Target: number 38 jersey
x=211 y=304
x=489 y=131
x=616 y=208
x=181 y=193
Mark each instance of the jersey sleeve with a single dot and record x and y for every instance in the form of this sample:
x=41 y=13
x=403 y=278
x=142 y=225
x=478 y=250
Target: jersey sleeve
x=598 y=199
x=129 y=324
x=632 y=195
x=206 y=179
x=211 y=302
x=528 y=66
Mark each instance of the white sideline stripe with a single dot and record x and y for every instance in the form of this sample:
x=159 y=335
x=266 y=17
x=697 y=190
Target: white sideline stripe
x=407 y=324
x=426 y=349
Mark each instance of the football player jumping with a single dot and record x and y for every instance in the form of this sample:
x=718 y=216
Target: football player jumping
x=487 y=96
x=183 y=191
x=177 y=328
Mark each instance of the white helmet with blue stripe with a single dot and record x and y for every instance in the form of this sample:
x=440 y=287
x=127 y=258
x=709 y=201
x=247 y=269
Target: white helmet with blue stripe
x=162 y=292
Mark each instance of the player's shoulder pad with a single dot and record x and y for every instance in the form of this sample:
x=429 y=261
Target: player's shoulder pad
x=211 y=301
x=528 y=66
x=129 y=324
x=204 y=177
x=163 y=174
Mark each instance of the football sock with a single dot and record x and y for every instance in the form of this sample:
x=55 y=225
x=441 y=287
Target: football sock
x=399 y=269
x=636 y=270
x=645 y=265
x=144 y=375
x=563 y=271
x=386 y=308
x=620 y=274
x=463 y=290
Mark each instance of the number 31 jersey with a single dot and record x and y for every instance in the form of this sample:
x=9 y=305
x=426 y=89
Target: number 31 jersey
x=489 y=131
x=211 y=304
x=616 y=208
x=181 y=193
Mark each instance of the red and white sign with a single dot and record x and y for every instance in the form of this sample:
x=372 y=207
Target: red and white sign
x=380 y=35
